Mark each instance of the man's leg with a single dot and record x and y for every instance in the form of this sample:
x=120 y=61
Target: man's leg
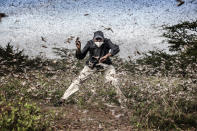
x=110 y=76
x=74 y=87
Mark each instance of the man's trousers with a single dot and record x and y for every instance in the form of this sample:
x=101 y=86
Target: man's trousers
x=110 y=76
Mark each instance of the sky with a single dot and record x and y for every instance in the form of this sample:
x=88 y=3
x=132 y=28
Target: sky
x=135 y=25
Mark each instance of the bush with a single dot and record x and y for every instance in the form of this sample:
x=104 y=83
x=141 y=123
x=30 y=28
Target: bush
x=182 y=40
x=12 y=60
x=157 y=105
x=20 y=115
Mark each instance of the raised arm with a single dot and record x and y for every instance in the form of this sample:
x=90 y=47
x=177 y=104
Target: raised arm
x=81 y=54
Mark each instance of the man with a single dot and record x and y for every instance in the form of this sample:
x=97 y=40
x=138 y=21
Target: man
x=100 y=50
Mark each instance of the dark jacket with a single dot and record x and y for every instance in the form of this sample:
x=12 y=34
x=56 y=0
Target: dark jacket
x=98 y=51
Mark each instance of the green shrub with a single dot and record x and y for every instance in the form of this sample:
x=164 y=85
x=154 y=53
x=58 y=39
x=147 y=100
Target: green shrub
x=14 y=60
x=173 y=116
x=154 y=108
x=182 y=41
x=20 y=115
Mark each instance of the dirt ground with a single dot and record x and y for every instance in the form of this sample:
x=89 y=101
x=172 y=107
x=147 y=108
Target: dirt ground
x=91 y=118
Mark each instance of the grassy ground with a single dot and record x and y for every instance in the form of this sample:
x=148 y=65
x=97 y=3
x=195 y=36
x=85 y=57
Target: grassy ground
x=153 y=101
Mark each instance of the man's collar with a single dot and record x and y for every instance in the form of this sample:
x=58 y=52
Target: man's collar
x=93 y=45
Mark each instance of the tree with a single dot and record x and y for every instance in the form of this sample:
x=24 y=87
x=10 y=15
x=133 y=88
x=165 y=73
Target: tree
x=182 y=38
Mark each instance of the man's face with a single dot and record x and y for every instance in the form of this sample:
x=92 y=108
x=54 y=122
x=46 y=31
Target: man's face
x=98 y=40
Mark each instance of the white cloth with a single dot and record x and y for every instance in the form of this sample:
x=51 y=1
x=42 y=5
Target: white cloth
x=110 y=76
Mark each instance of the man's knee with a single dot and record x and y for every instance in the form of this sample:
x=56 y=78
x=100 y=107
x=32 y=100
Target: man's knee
x=85 y=73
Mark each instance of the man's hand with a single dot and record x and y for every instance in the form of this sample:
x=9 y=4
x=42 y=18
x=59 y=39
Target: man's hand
x=102 y=59
x=78 y=44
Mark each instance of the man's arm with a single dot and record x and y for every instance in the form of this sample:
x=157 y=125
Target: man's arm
x=81 y=54
x=114 y=48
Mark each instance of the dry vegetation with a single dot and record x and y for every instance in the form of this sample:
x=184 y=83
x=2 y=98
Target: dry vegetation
x=160 y=89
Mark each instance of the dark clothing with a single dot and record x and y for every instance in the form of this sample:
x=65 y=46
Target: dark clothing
x=95 y=51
